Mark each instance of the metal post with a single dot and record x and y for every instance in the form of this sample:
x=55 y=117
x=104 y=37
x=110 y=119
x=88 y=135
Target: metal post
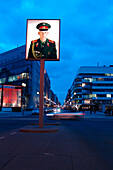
x=83 y=84
x=2 y=98
x=83 y=99
x=41 y=99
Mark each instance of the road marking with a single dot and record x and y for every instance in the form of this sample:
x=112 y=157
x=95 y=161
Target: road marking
x=12 y=133
x=51 y=154
x=18 y=118
x=2 y=137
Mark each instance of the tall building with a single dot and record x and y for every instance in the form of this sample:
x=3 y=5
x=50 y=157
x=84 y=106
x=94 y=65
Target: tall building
x=15 y=70
x=92 y=86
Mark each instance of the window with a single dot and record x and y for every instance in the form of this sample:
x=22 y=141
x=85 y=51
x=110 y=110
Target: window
x=3 y=80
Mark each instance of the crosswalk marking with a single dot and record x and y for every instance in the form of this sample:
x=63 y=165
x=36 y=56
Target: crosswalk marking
x=2 y=137
x=12 y=133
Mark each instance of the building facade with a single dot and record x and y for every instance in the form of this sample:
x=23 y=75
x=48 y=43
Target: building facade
x=15 y=70
x=92 y=87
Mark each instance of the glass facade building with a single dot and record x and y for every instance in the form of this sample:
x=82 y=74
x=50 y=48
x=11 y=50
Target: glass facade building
x=91 y=86
x=15 y=70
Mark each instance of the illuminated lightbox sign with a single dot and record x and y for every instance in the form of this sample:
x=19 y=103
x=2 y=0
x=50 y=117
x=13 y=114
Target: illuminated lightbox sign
x=43 y=39
x=11 y=96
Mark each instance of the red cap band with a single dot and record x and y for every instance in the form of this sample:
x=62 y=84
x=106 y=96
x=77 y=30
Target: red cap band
x=43 y=27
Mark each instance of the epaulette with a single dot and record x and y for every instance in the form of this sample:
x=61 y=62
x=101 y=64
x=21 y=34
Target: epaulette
x=34 y=41
x=51 y=41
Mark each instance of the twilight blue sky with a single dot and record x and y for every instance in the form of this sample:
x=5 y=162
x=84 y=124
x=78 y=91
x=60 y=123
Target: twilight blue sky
x=86 y=34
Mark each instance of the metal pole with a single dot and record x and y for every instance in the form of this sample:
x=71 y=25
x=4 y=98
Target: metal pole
x=41 y=99
x=83 y=99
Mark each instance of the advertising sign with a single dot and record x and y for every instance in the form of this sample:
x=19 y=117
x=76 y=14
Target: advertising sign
x=11 y=96
x=43 y=39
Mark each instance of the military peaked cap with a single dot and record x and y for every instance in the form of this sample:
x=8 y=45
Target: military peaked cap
x=43 y=26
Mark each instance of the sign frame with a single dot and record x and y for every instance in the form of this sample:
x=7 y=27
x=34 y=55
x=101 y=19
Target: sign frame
x=53 y=37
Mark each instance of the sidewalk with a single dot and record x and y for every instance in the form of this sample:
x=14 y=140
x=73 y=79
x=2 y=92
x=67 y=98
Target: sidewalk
x=14 y=114
x=97 y=115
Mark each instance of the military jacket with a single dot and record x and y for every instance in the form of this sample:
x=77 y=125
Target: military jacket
x=47 y=51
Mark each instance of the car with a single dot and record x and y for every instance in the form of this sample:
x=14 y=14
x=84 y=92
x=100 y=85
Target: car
x=59 y=116
x=35 y=111
x=46 y=110
x=56 y=110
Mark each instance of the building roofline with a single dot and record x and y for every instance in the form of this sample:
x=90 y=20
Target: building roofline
x=14 y=49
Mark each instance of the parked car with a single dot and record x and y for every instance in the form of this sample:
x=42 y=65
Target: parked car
x=35 y=111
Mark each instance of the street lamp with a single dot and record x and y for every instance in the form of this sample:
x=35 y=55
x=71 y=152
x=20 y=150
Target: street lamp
x=83 y=84
x=74 y=96
x=23 y=85
x=38 y=99
x=23 y=97
x=75 y=93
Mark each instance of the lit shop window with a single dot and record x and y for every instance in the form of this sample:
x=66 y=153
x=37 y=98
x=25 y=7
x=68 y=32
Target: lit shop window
x=107 y=74
x=100 y=79
x=93 y=79
x=24 y=76
x=18 y=77
x=3 y=80
x=86 y=101
x=90 y=96
x=88 y=79
x=12 y=78
x=94 y=95
x=11 y=97
x=108 y=95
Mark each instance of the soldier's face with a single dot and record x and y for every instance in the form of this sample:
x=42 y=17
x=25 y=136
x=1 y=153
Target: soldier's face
x=43 y=35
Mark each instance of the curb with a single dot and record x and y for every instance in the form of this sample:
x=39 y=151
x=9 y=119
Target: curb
x=36 y=129
x=56 y=124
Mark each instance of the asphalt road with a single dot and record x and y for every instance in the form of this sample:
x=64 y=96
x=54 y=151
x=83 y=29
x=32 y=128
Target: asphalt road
x=86 y=142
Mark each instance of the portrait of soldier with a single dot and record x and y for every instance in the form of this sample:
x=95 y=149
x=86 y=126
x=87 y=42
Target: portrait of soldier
x=42 y=48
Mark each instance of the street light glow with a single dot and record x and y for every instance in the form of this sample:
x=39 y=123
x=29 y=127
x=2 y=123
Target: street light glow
x=23 y=84
x=83 y=84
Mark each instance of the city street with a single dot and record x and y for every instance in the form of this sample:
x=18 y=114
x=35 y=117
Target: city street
x=80 y=144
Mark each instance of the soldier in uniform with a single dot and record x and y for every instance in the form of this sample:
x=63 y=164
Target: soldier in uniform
x=42 y=48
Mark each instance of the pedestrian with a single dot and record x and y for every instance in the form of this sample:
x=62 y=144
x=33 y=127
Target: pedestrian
x=91 y=109
x=94 y=109
x=112 y=112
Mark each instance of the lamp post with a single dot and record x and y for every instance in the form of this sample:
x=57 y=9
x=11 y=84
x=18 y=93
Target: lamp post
x=37 y=99
x=23 y=97
x=75 y=107
x=83 y=84
x=74 y=96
